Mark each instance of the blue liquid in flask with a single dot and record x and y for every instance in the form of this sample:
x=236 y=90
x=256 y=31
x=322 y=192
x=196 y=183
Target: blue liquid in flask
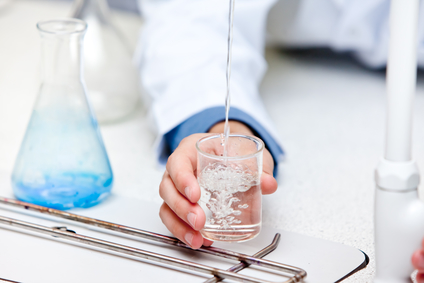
x=62 y=162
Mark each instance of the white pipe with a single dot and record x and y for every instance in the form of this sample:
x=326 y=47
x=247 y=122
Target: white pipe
x=399 y=214
x=401 y=78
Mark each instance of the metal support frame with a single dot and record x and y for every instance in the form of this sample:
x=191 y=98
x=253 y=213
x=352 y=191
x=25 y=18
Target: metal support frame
x=296 y=274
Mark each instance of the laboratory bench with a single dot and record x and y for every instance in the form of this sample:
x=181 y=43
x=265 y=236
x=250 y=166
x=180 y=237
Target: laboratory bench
x=328 y=110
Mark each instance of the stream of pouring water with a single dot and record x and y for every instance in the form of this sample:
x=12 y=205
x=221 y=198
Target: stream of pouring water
x=228 y=98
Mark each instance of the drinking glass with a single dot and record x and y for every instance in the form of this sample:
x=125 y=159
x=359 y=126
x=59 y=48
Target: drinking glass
x=230 y=186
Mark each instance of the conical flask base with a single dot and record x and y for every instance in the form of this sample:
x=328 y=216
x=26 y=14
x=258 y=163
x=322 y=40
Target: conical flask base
x=66 y=191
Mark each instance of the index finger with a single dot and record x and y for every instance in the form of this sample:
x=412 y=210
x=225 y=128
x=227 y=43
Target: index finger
x=182 y=167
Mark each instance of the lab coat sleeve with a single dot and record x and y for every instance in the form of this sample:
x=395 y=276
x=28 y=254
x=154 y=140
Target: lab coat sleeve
x=182 y=61
x=204 y=120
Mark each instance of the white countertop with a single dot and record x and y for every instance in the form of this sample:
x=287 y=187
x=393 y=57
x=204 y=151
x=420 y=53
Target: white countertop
x=329 y=112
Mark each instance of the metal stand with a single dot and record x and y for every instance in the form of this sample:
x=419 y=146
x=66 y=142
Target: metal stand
x=295 y=274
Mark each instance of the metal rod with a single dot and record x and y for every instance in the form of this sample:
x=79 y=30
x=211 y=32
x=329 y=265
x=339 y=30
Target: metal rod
x=298 y=273
x=242 y=265
x=149 y=235
x=128 y=250
x=59 y=233
x=94 y=222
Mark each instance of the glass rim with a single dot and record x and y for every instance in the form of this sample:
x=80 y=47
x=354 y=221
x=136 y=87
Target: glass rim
x=246 y=156
x=81 y=23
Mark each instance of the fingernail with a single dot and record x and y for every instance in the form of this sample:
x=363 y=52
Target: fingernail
x=189 y=238
x=191 y=217
x=187 y=191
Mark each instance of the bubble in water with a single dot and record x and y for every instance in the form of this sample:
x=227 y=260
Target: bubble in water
x=219 y=182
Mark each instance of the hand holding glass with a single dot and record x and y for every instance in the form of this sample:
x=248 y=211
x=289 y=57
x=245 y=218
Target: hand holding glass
x=230 y=187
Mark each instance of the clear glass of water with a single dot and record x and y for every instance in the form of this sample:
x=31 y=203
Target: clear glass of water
x=230 y=186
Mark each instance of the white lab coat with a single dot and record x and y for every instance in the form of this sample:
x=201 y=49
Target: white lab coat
x=183 y=58
x=182 y=51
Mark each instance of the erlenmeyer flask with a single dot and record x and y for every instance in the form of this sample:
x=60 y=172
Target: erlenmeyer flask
x=62 y=162
x=111 y=78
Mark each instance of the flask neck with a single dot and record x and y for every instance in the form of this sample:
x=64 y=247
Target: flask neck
x=61 y=48
x=61 y=58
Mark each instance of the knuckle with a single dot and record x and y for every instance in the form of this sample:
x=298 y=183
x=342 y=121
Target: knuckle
x=170 y=162
x=179 y=177
x=178 y=206
x=174 y=228
x=161 y=190
x=162 y=211
x=185 y=140
x=171 y=158
x=165 y=174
